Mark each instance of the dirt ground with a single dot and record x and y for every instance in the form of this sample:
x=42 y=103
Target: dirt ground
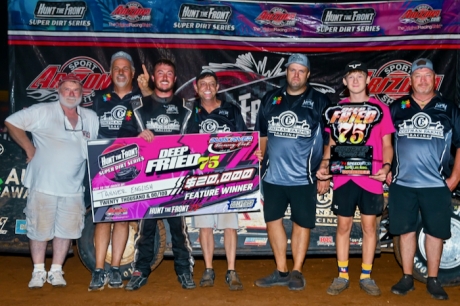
x=163 y=288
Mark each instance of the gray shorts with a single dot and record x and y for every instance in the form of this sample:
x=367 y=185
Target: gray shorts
x=50 y=216
x=216 y=221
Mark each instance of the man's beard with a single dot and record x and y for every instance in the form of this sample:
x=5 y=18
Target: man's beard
x=120 y=84
x=69 y=102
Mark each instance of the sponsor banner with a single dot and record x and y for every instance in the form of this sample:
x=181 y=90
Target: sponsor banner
x=244 y=77
x=21 y=227
x=313 y=20
x=180 y=175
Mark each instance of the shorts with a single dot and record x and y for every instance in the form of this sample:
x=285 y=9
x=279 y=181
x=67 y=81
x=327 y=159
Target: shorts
x=302 y=199
x=216 y=221
x=50 y=216
x=434 y=205
x=350 y=195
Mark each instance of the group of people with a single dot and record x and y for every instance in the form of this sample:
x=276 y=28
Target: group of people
x=411 y=151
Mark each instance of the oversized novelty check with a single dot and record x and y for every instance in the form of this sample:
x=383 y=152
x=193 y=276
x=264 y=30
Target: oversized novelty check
x=179 y=175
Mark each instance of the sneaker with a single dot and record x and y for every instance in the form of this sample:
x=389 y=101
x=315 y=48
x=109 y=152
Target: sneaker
x=38 y=279
x=274 y=279
x=233 y=281
x=296 y=281
x=56 y=278
x=137 y=280
x=186 y=280
x=115 y=280
x=405 y=285
x=338 y=285
x=98 y=280
x=207 y=280
x=369 y=286
x=435 y=289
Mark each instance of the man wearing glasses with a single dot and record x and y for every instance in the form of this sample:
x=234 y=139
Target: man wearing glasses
x=56 y=166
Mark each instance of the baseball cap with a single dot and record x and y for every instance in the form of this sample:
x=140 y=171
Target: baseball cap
x=355 y=65
x=71 y=77
x=421 y=63
x=121 y=54
x=298 y=59
x=205 y=73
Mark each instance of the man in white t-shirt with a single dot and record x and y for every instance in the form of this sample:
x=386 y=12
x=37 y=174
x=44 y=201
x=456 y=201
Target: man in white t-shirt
x=56 y=166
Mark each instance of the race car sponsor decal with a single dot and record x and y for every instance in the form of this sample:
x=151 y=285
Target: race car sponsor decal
x=2 y=224
x=131 y=14
x=12 y=187
x=60 y=14
x=424 y=17
x=325 y=240
x=392 y=81
x=256 y=241
x=205 y=17
x=91 y=73
x=173 y=175
x=351 y=20
x=21 y=227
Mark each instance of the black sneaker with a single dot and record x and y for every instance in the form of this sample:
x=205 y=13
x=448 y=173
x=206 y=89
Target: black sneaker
x=137 y=280
x=435 y=289
x=233 y=281
x=186 y=280
x=296 y=281
x=274 y=279
x=207 y=280
x=98 y=280
x=405 y=285
x=115 y=280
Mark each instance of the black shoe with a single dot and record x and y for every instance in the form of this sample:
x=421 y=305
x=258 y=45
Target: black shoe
x=434 y=288
x=186 y=280
x=405 y=285
x=98 y=280
x=296 y=281
x=207 y=280
x=274 y=279
x=137 y=280
x=115 y=280
x=233 y=281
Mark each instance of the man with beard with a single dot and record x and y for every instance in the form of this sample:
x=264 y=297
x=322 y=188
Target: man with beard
x=147 y=122
x=291 y=137
x=427 y=125
x=56 y=166
x=211 y=115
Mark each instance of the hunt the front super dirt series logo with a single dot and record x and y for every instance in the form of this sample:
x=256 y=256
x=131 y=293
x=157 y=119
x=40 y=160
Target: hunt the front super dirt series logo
x=91 y=73
x=207 y=17
x=392 y=81
x=348 y=21
x=64 y=13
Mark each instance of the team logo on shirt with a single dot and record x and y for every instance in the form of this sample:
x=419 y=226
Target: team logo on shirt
x=163 y=124
x=171 y=109
x=287 y=125
x=441 y=106
x=421 y=127
x=212 y=126
x=351 y=124
x=308 y=103
x=113 y=119
x=223 y=112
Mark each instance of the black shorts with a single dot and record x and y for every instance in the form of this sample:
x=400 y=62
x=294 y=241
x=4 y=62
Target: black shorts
x=301 y=198
x=434 y=205
x=350 y=195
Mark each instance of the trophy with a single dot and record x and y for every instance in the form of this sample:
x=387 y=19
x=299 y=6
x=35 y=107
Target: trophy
x=350 y=126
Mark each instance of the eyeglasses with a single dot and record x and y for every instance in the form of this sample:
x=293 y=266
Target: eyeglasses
x=76 y=129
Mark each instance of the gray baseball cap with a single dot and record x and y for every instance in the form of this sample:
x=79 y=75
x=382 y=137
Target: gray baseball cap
x=298 y=59
x=422 y=63
x=122 y=54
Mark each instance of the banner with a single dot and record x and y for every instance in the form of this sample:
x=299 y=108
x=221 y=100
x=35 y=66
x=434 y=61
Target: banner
x=179 y=175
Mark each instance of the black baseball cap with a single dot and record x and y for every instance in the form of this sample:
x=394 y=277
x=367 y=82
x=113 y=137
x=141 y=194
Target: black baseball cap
x=206 y=72
x=355 y=66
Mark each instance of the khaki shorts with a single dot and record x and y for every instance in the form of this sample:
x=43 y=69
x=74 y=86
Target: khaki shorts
x=50 y=216
x=216 y=221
